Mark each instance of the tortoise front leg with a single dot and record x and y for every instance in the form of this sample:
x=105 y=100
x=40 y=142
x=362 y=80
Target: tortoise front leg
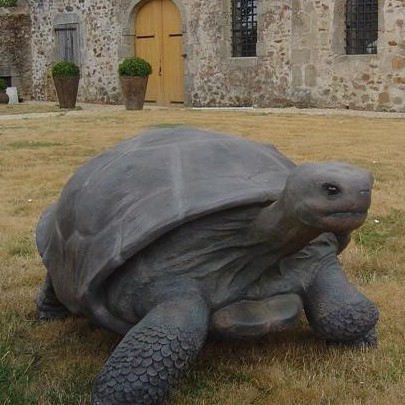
x=152 y=355
x=336 y=310
x=48 y=305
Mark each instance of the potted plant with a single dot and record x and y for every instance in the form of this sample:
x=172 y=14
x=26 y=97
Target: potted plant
x=66 y=76
x=8 y=3
x=134 y=73
x=3 y=95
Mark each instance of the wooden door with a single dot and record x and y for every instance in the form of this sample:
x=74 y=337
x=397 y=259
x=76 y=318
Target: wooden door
x=158 y=39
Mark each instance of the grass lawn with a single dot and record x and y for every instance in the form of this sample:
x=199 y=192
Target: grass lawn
x=56 y=362
x=28 y=108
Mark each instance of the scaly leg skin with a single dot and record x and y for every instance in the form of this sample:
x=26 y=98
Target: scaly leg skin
x=152 y=355
x=48 y=305
x=336 y=310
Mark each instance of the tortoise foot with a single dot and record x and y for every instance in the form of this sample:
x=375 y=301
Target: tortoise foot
x=368 y=340
x=349 y=323
x=53 y=314
x=253 y=319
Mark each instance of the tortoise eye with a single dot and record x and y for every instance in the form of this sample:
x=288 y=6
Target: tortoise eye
x=331 y=190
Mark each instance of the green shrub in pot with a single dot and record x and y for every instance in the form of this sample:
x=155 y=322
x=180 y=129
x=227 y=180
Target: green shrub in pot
x=134 y=66
x=66 y=76
x=3 y=85
x=4 y=99
x=134 y=73
x=65 y=69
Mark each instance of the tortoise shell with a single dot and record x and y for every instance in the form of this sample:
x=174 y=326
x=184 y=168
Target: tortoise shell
x=124 y=199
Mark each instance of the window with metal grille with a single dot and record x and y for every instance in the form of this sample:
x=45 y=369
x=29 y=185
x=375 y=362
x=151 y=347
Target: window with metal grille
x=244 y=27
x=361 y=26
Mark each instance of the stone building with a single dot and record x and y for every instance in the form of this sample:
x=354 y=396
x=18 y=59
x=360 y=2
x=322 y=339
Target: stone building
x=15 y=47
x=262 y=53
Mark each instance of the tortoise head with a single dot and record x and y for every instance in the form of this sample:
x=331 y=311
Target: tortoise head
x=329 y=196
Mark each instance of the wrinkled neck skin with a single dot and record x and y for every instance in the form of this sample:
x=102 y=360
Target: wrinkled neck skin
x=278 y=227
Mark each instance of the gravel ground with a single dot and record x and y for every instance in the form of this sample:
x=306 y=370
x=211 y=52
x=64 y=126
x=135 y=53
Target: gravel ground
x=88 y=108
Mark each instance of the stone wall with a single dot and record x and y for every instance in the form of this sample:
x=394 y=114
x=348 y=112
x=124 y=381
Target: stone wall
x=100 y=36
x=300 y=59
x=222 y=80
x=15 y=48
x=300 y=54
x=330 y=78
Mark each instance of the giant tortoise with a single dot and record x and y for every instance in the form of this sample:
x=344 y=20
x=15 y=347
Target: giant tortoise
x=177 y=233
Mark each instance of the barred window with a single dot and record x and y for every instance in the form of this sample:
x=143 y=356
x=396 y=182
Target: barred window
x=361 y=26
x=244 y=27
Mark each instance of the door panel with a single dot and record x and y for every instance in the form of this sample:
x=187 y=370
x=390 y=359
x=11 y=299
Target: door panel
x=158 y=39
x=172 y=54
x=147 y=50
x=147 y=44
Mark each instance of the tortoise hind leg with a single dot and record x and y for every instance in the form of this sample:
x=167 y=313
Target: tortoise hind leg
x=252 y=319
x=48 y=305
x=152 y=355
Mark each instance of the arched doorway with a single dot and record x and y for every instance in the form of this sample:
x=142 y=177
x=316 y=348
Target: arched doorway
x=158 y=39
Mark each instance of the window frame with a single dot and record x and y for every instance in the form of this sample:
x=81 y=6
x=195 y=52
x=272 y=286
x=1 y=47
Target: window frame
x=244 y=28
x=361 y=27
x=67 y=42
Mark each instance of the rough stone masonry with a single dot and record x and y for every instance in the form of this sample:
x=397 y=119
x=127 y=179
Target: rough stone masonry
x=300 y=55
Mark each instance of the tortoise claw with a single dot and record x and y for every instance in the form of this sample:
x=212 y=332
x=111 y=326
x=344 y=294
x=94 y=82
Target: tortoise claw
x=368 y=340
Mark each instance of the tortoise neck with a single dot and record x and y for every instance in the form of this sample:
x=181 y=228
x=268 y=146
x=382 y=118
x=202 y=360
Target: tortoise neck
x=280 y=228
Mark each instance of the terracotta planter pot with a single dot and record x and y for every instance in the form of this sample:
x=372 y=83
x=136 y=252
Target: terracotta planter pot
x=133 y=91
x=66 y=89
x=4 y=98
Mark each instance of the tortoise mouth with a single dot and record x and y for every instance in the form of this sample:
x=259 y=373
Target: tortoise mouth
x=344 y=220
x=345 y=214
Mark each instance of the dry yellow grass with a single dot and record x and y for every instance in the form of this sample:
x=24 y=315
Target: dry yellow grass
x=55 y=363
x=27 y=108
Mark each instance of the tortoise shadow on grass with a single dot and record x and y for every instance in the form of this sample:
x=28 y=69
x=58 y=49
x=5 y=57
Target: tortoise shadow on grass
x=230 y=368
x=72 y=351
x=285 y=367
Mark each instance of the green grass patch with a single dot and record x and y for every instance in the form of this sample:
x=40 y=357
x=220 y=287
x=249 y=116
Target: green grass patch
x=14 y=378
x=378 y=233
x=21 y=247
